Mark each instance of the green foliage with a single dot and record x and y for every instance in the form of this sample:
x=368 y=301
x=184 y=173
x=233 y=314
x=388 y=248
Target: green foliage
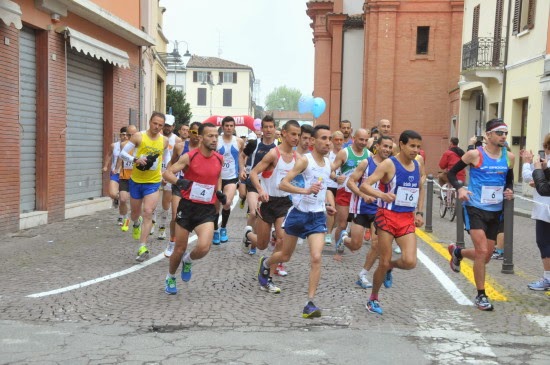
x=180 y=107
x=283 y=98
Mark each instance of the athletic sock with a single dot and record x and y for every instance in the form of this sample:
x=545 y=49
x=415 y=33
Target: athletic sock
x=170 y=276
x=163 y=218
x=187 y=258
x=547 y=275
x=216 y=222
x=137 y=223
x=481 y=292
x=363 y=272
x=225 y=217
x=373 y=297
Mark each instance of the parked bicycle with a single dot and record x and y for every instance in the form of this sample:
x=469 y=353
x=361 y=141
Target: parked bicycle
x=447 y=201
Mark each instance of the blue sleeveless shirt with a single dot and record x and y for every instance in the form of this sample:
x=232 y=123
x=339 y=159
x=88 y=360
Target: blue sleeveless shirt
x=405 y=185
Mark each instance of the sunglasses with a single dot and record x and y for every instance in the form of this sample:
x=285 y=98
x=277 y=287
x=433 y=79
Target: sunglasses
x=500 y=133
x=126 y=134
x=194 y=132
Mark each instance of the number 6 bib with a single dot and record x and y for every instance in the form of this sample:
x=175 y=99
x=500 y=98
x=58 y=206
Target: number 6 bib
x=407 y=197
x=491 y=194
x=201 y=192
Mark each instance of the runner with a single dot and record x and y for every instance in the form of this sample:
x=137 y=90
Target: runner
x=275 y=203
x=332 y=184
x=345 y=128
x=304 y=143
x=364 y=208
x=125 y=169
x=399 y=194
x=230 y=147
x=307 y=216
x=180 y=149
x=167 y=187
x=183 y=132
x=491 y=181
x=111 y=158
x=200 y=189
x=149 y=147
x=347 y=160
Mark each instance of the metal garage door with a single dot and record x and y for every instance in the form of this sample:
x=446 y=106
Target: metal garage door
x=27 y=119
x=84 y=128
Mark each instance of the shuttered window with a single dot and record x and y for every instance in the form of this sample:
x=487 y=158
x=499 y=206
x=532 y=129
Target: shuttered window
x=531 y=14
x=227 y=97
x=497 y=38
x=524 y=15
x=201 y=96
x=475 y=23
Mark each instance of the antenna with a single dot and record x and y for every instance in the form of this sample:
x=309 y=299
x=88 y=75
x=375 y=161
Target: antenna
x=219 y=44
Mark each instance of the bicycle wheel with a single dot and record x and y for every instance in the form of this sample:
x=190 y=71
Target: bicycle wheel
x=452 y=206
x=442 y=204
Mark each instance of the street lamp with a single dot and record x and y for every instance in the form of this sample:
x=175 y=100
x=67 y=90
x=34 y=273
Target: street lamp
x=177 y=58
x=210 y=84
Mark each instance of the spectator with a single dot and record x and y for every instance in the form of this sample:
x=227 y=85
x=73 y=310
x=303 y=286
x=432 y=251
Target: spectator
x=449 y=159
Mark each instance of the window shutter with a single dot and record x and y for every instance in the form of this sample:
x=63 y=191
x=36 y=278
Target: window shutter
x=475 y=24
x=209 y=77
x=220 y=77
x=517 y=17
x=201 y=96
x=227 y=97
x=194 y=76
x=234 y=77
x=497 y=37
x=531 y=14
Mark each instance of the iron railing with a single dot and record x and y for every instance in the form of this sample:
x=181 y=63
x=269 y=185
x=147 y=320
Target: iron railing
x=483 y=53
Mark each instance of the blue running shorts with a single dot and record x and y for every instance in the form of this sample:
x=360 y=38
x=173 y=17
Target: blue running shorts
x=138 y=190
x=302 y=224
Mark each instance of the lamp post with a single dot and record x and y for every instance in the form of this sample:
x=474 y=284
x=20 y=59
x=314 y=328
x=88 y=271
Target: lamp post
x=210 y=86
x=177 y=57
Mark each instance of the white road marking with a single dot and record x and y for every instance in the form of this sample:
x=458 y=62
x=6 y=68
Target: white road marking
x=445 y=281
x=541 y=320
x=116 y=274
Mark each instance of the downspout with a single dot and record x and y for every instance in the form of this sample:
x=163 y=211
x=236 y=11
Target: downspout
x=506 y=44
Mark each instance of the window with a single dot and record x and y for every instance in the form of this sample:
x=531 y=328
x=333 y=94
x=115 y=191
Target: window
x=422 y=38
x=200 y=76
x=227 y=97
x=524 y=15
x=201 y=96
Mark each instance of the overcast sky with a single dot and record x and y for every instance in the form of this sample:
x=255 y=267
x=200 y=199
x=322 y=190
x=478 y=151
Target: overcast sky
x=272 y=36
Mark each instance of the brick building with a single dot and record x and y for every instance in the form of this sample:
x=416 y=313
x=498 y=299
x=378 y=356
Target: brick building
x=398 y=60
x=70 y=78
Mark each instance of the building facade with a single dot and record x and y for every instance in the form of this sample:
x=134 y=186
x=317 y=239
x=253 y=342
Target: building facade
x=215 y=86
x=396 y=60
x=70 y=78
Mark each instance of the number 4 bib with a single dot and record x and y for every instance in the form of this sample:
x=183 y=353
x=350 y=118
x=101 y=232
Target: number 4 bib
x=201 y=192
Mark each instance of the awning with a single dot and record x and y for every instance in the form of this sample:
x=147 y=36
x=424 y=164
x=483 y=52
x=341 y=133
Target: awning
x=102 y=51
x=10 y=12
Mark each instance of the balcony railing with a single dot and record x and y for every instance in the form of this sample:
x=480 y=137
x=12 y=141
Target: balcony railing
x=483 y=53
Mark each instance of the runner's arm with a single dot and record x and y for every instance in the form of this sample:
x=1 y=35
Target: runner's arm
x=261 y=167
x=355 y=177
x=298 y=168
x=170 y=174
x=108 y=157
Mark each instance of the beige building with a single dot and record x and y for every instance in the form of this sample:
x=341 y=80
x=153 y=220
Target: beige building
x=503 y=77
x=215 y=86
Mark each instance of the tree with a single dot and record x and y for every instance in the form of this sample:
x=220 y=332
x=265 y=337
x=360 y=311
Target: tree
x=283 y=98
x=180 y=107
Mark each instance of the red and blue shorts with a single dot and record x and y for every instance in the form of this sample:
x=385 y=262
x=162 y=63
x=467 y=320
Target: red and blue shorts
x=398 y=224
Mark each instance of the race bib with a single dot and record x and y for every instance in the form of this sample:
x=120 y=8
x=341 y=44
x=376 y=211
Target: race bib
x=228 y=160
x=407 y=197
x=492 y=194
x=312 y=198
x=201 y=192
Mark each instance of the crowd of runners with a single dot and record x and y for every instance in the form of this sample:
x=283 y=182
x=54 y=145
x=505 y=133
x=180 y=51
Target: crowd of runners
x=301 y=183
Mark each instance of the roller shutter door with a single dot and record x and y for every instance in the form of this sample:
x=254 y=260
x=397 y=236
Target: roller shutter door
x=84 y=128
x=27 y=119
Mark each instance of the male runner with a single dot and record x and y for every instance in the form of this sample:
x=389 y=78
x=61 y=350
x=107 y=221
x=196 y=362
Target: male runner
x=345 y=128
x=183 y=132
x=332 y=184
x=304 y=143
x=149 y=145
x=200 y=189
x=383 y=127
x=491 y=181
x=230 y=147
x=399 y=194
x=112 y=158
x=125 y=169
x=306 y=219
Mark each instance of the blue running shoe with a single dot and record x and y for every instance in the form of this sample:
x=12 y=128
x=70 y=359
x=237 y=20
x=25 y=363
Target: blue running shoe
x=373 y=306
x=216 y=239
x=223 y=235
x=170 y=287
x=252 y=251
x=540 y=285
x=186 y=271
x=263 y=273
x=388 y=280
x=311 y=311
x=340 y=243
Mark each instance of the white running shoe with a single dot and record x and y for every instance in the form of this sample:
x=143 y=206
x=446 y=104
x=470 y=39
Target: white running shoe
x=152 y=228
x=162 y=233
x=397 y=250
x=364 y=282
x=169 y=249
x=271 y=288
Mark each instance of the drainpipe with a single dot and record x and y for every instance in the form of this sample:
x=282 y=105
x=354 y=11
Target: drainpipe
x=503 y=101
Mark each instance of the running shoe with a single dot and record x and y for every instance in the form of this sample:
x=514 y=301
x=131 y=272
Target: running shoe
x=169 y=249
x=328 y=239
x=367 y=235
x=540 y=285
x=246 y=241
x=186 y=271
x=397 y=250
x=241 y=204
x=263 y=273
x=162 y=233
x=136 y=233
x=363 y=282
x=125 y=225
x=216 y=239
x=498 y=255
x=223 y=235
x=280 y=270
x=152 y=228
x=388 y=279
x=482 y=302
x=170 y=287
x=252 y=251
x=340 y=243
x=120 y=221
x=311 y=311
x=115 y=203
x=270 y=287
x=143 y=254
x=373 y=306
x=454 y=261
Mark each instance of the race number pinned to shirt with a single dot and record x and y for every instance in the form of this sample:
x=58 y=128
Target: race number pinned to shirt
x=201 y=192
x=492 y=194
x=407 y=197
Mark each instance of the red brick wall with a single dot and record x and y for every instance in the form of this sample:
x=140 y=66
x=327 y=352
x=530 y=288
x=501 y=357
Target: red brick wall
x=9 y=109
x=126 y=94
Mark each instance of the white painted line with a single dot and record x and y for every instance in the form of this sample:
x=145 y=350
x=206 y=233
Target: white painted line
x=447 y=283
x=116 y=274
x=542 y=320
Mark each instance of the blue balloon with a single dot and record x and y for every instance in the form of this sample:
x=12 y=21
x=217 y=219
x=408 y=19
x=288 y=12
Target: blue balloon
x=305 y=104
x=319 y=106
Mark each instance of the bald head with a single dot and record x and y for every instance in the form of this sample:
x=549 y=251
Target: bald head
x=384 y=126
x=131 y=129
x=360 y=139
